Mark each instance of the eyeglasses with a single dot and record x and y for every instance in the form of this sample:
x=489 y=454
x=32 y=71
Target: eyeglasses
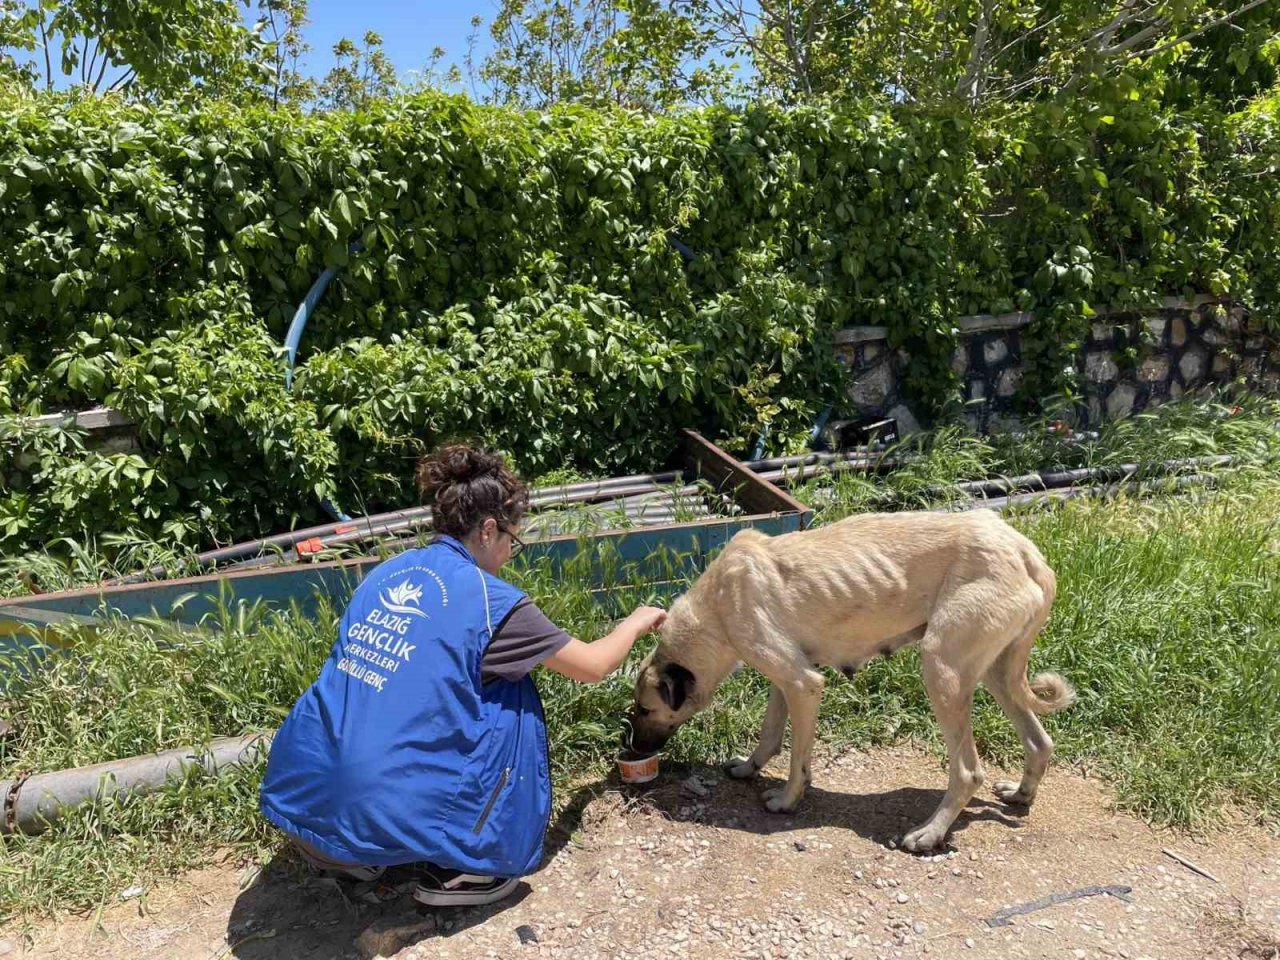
x=517 y=544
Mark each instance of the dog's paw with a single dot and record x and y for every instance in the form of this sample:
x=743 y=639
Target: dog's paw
x=775 y=800
x=741 y=768
x=1010 y=791
x=923 y=839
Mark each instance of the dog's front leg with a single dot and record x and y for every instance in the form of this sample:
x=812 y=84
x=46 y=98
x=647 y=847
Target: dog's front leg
x=803 y=696
x=771 y=731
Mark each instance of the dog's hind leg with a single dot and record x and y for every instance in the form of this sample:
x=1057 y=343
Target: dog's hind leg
x=1007 y=681
x=1036 y=744
x=951 y=693
x=771 y=732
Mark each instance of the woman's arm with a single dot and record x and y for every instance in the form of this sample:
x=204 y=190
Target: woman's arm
x=592 y=662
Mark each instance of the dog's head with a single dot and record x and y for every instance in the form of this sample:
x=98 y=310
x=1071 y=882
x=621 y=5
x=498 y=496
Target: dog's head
x=677 y=679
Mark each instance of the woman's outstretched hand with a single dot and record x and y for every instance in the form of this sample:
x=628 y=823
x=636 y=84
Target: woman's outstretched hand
x=592 y=662
x=647 y=619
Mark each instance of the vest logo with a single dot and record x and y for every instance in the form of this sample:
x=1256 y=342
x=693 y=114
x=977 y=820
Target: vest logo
x=403 y=599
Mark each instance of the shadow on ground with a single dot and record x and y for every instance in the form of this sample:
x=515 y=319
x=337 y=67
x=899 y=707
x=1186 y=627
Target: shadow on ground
x=882 y=817
x=285 y=914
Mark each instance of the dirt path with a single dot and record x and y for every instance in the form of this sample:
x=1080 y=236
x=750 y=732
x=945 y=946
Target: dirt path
x=669 y=873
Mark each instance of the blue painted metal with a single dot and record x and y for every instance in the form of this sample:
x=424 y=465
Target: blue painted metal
x=661 y=558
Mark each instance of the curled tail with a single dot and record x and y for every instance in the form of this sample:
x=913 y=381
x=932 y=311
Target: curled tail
x=1048 y=693
x=1045 y=692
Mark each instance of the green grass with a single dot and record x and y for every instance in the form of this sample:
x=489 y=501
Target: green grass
x=1167 y=622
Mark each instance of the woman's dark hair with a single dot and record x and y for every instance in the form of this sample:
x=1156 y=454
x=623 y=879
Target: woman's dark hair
x=466 y=485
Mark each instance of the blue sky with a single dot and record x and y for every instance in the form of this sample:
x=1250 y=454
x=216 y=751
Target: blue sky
x=410 y=29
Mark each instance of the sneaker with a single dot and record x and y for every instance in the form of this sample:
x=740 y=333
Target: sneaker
x=359 y=874
x=445 y=889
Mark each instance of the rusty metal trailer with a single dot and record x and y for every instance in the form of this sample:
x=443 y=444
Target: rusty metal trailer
x=662 y=556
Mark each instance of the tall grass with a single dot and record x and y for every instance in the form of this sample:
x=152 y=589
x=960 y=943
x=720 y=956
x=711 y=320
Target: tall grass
x=1167 y=622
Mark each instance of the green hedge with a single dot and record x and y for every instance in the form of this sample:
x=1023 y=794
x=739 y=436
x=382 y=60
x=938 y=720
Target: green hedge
x=518 y=283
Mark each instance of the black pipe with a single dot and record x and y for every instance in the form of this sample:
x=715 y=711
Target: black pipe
x=1061 y=494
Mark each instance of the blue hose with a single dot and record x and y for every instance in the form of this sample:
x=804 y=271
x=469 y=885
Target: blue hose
x=303 y=314
x=818 y=424
x=294 y=337
x=681 y=249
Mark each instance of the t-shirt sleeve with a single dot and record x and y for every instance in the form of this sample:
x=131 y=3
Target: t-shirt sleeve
x=524 y=640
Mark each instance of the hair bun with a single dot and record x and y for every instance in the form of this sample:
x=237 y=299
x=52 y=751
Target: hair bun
x=460 y=464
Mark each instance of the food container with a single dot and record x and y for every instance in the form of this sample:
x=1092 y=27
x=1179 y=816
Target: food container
x=637 y=767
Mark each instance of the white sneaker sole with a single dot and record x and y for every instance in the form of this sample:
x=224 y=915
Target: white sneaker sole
x=465 y=898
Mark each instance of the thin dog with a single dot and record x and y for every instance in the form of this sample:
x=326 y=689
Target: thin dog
x=970 y=590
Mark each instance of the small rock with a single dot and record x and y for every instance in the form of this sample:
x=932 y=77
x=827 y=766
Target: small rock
x=968 y=943
x=902 y=898
x=386 y=938
x=694 y=786
x=526 y=933
x=800 y=847
x=919 y=927
x=972 y=855
x=1079 y=954
x=6 y=947
x=131 y=893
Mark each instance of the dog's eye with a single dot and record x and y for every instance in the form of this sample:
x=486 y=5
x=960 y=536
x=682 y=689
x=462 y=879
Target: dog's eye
x=642 y=711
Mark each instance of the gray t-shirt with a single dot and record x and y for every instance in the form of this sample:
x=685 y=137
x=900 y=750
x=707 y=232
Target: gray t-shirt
x=522 y=641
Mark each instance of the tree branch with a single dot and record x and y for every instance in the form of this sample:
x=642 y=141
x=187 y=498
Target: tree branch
x=123 y=81
x=87 y=60
x=1142 y=36
x=48 y=62
x=1203 y=29
x=1102 y=37
x=1023 y=37
x=736 y=25
x=102 y=70
x=967 y=85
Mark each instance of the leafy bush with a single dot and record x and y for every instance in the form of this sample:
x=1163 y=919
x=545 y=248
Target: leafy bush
x=517 y=281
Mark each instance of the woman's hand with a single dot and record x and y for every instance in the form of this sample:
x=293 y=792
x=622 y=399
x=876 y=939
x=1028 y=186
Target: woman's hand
x=647 y=619
x=592 y=662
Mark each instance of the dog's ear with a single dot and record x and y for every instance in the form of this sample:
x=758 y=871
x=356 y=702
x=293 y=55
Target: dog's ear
x=674 y=684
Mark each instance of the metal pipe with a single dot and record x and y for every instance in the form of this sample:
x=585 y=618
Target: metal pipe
x=34 y=803
x=802 y=472
x=1061 y=494
x=805 y=459
x=377 y=523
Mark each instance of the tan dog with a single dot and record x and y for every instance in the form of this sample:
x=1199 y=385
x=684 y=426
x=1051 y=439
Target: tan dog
x=966 y=587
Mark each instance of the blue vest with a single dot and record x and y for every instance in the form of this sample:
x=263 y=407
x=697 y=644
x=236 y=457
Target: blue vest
x=398 y=752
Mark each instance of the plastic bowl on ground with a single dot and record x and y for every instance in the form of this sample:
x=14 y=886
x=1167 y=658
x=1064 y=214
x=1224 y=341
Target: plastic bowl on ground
x=637 y=767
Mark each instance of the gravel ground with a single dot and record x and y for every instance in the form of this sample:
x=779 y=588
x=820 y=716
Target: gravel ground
x=694 y=868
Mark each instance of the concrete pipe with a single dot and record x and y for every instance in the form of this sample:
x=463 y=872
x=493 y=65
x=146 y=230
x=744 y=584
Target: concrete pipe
x=34 y=803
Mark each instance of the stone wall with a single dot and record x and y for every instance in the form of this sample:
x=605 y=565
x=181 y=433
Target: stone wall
x=1130 y=361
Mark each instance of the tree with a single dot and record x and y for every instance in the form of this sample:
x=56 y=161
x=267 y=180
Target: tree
x=658 y=53
x=974 y=50
x=280 y=25
x=634 y=53
x=154 y=48
x=361 y=75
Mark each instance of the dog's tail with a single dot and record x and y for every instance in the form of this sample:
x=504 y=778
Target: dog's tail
x=1045 y=692
x=1048 y=693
